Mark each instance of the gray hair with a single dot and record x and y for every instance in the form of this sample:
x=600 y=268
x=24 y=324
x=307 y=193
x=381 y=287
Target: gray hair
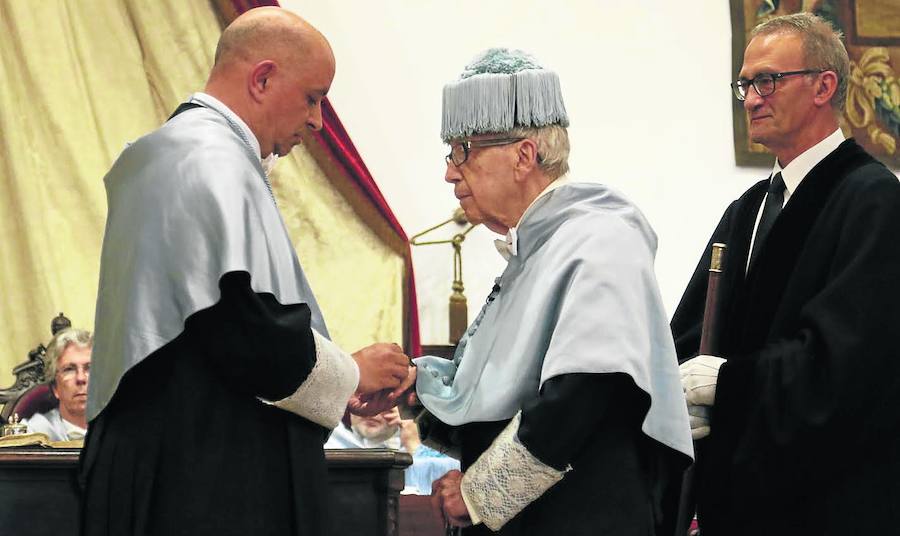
x=552 y=145
x=57 y=347
x=822 y=47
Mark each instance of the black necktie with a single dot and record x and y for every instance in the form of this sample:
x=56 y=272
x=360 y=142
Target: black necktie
x=774 y=200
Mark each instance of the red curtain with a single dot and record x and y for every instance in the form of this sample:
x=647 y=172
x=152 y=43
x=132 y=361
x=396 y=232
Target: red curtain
x=334 y=138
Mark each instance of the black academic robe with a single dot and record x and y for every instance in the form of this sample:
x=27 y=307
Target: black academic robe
x=185 y=447
x=621 y=481
x=805 y=430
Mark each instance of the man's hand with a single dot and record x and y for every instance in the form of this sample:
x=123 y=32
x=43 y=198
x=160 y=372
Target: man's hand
x=367 y=405
x=698 y=379
x=447 y=502
x=407 y=391
x=392 y=419
x=370 y=405
x=381 y=366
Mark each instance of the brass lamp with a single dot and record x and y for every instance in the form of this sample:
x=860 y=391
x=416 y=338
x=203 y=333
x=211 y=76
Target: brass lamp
x=458 y=306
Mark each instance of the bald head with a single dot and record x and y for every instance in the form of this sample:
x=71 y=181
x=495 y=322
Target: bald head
x=272 y=68
x=264 y=33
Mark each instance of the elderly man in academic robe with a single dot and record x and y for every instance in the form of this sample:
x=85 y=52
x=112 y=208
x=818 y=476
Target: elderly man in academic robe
x=214 y=382
x=799 y=414
x=563 y=395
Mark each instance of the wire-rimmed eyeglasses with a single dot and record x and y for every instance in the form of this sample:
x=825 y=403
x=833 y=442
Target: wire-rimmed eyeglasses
x=459 y=150
x=764 y=83
x=71 y=370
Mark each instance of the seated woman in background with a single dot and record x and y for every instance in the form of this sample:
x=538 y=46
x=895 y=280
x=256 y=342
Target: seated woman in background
x=387 y=430
x=67 y=366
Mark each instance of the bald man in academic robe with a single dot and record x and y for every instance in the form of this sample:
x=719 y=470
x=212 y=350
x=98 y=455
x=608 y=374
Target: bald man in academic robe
x=214 y=381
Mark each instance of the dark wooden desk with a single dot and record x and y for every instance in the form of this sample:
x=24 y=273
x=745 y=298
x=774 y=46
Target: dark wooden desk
x=365 y=486
x=39 y=495
x=416 y=518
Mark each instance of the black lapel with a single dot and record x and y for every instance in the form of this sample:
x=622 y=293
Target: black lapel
x=777 y=260
x=183 y=107
x=733 y=276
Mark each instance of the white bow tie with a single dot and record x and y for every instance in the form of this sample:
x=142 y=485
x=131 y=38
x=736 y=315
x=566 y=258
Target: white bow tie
x=510 y=246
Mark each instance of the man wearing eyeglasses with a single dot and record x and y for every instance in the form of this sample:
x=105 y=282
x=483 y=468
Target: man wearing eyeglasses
x=563 y=396
x=801 y=406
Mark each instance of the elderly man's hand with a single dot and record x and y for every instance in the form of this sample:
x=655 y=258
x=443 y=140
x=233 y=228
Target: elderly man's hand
x=367 y=405
x=381 y=366
x=447 y=502
x=698 y=379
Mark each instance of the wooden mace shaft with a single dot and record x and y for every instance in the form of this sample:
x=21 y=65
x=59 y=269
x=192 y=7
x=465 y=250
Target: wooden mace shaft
x=709 y=336
x=709 y=342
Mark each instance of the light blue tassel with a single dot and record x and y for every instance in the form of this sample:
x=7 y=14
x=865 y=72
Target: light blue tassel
x=501 y=90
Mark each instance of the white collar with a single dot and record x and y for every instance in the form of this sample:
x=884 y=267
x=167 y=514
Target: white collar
x=73 y=431
x=211 y=102
x=794 y=172
x=510 y=246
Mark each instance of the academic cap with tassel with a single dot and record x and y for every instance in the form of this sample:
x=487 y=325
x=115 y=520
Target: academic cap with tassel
x=499 y=90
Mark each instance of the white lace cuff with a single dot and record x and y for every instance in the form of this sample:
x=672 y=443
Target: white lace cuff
x=322 y=397
x=505 y=479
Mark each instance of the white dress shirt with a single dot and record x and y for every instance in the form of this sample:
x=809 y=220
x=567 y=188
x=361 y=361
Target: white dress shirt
x=795 y=172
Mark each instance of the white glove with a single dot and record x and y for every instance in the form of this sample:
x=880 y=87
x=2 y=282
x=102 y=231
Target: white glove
x=699 y=417
x=698 y=379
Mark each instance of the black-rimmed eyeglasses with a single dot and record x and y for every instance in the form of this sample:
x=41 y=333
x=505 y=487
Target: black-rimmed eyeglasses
x=764 y=83
x=459 y=151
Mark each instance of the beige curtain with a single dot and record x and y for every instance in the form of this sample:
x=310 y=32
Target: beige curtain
x=80 y=79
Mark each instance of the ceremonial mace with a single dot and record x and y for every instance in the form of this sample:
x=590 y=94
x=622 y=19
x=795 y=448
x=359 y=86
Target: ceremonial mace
x=709 y=345
x=458 y=307
x=709 y=336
